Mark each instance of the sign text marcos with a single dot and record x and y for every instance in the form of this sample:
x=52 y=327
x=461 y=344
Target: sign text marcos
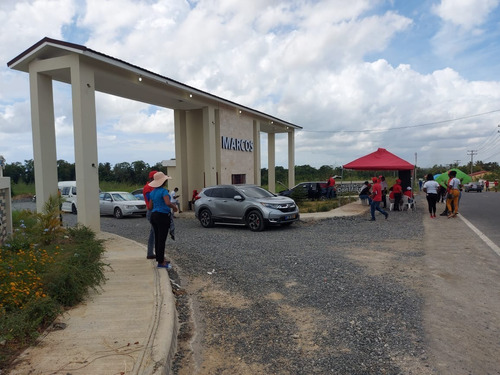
x=229 y=143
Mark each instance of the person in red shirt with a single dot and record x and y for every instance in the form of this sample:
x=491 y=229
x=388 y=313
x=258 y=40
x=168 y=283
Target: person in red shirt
x=151 y=240
x=408 y=193
x=398 y=192
x=330 y=188
x=376 y=199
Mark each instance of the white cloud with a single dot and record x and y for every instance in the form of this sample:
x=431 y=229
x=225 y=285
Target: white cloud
x=467 y=14
x=302 y=61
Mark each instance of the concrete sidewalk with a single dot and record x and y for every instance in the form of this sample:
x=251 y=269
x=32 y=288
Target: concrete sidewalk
x=131 y=326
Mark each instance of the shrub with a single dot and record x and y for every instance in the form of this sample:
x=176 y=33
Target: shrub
x=43 y=269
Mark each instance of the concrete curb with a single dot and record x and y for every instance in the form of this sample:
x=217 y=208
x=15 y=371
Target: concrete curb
x=161 y=346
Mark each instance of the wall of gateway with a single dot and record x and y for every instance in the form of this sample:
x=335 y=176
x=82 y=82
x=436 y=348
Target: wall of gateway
x=236 y=154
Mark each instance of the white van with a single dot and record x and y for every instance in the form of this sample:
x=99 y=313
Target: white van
x=68 y=192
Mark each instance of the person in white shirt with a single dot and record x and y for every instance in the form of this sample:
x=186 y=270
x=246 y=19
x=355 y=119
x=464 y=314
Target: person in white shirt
x=431 y=189
x=173 y=199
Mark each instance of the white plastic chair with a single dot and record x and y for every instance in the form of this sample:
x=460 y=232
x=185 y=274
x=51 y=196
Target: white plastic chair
x=409 y=204
x=391 y=204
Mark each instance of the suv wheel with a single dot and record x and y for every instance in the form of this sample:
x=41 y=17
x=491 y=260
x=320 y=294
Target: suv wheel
x=255 y=221
x=73 y=209
x=206 y=219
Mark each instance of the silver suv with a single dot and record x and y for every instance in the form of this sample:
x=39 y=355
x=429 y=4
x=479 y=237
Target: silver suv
x=244 y=204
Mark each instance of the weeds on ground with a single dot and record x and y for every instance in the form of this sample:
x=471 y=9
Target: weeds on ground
x=44 y=269
x=307 y=206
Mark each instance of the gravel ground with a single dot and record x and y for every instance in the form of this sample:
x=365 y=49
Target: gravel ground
x=295 y=300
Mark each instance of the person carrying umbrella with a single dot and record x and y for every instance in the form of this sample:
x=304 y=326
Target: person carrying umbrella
x=454 y=185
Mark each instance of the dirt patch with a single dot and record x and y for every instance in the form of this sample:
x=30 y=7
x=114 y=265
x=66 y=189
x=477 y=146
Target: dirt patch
x=458 y=282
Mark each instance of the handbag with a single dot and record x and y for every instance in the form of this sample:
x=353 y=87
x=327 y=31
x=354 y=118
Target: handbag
x=449 y=196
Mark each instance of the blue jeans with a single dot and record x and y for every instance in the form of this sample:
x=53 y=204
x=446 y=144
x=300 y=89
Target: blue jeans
x=330 y=192
x=365 y=196
x=376 y=206
x=151 y=239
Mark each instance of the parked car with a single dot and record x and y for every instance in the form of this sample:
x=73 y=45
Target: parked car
x=309 y=190
x=68 y=192
x=248 y=205
x=120 y=204
x=138 y=194
x=473 y=186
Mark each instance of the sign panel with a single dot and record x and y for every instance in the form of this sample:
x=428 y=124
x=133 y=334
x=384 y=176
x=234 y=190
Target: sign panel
x=235 y=144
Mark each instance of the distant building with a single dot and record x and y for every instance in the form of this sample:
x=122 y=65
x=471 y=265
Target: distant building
x=478 y=175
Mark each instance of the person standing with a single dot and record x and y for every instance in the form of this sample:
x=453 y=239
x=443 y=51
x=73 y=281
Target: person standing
x=365 y=193
x=453 y=194
x=431 y=189
x=151 y=240
x=376 y=199
x=173 y=199
x=398 y=192
x=330 y=188
x=161 y=208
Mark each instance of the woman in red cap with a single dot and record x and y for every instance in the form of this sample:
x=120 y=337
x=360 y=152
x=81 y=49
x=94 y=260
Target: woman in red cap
x=376 y=199
x=398 y=192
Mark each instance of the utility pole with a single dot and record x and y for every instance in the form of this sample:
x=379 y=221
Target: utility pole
x=471 y=153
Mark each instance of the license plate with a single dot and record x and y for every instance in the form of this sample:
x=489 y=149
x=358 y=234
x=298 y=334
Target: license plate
x=290 y=217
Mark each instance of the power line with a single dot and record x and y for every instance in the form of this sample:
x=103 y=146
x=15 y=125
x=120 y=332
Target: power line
x=400 y=127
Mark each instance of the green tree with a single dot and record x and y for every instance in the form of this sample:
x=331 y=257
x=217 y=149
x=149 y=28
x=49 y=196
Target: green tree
x=29 y=171
x=15 y=171
x=65 y=171
x=105 y=172
x=141 y=171
x=123 y=172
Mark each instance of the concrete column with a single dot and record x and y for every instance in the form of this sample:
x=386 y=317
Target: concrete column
x=291 y=157
x=271 y=161
x=209 y=144
x=44 y=136
x=218 y=147
x=181 y=158
x=256 y=153
x=85 y=134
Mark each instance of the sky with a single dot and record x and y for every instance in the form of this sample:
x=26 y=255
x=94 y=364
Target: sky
x=420 y=78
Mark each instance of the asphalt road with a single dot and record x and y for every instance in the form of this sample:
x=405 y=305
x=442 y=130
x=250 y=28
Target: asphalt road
x=483 y=211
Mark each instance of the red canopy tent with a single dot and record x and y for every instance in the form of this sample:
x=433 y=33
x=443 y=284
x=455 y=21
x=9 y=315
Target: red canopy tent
x=380 y=160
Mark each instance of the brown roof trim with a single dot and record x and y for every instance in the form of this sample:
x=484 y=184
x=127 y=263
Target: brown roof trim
x=84 y=49
x=46 y=40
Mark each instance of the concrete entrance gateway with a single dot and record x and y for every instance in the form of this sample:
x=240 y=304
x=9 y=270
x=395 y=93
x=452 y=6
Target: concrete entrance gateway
x=216 y=141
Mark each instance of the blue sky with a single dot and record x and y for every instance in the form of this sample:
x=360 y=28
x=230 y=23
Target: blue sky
x=414 y=77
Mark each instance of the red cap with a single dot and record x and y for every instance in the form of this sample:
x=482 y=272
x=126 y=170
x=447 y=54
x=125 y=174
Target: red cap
x=152 y=174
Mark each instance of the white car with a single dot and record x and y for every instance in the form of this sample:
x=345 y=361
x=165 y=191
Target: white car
x=120 y=204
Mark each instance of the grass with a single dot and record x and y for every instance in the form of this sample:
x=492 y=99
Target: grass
x=23 y=189
x=308 y=206
x=44 y=269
